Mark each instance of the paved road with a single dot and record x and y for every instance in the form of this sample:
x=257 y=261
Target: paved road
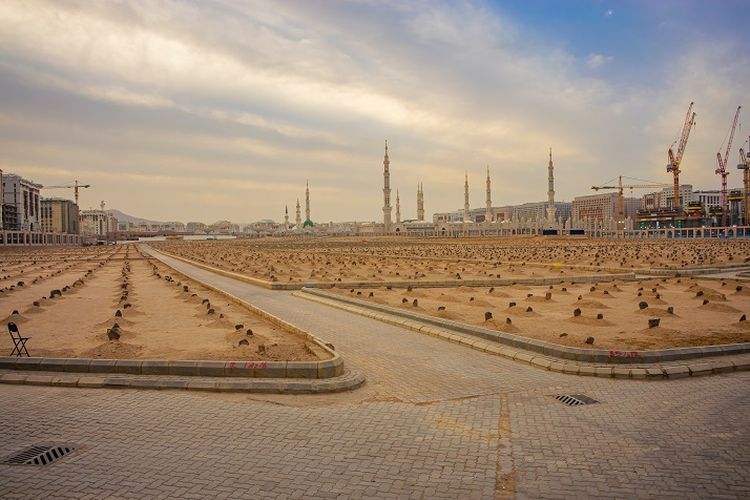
x=435 y=420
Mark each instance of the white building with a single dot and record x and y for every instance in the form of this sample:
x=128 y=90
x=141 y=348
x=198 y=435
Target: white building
x=97 y=223
x=21 y=204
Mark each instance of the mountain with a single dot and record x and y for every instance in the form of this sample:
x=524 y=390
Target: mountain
x=121 y=216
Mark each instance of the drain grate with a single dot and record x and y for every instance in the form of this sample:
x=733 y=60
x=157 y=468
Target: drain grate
x=39 y=455
x=575 y=399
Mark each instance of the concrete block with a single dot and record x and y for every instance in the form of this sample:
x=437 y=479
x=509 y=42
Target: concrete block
x=301 y=369
x=13 y=378
x=8 y=362
x=77 y=365
x=154 y=367
x=677 y=371
x=541 y=362
x=102 y=366
x=183 y=367
x=654 y=372
x=621 y=372
x=91 y=382
x=571 y=369
x=201 y=385
x=585 y=370
x=211 y=368
x=638 y=374
x=130 y=366
x=38 y=380
x=53 y=364
x=29 y=364
x=698 y=369
x=330 y=368
x=272 y=369
x=604 y=371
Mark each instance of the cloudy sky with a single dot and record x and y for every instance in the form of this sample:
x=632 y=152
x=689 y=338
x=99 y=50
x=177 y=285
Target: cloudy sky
x=222 y=109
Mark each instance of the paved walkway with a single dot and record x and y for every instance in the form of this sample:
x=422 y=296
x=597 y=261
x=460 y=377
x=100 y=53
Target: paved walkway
x=434 y=420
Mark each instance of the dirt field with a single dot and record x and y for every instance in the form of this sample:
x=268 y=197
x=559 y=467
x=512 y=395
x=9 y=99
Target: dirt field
x=330 y=261
x=158 y=314
x=703 y=312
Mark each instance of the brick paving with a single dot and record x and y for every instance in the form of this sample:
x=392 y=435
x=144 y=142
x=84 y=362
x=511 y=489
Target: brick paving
x=434 y=420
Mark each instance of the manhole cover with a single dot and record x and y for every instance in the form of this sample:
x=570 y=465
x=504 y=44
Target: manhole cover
x=575 y=399
x=38 y=455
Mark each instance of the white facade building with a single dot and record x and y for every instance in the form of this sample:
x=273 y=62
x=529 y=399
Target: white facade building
x=21 y=204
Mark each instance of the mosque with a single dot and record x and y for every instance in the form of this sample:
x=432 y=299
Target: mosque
x=548 y=217
x=536 y=218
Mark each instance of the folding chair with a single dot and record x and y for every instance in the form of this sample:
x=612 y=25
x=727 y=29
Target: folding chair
x=18 y=341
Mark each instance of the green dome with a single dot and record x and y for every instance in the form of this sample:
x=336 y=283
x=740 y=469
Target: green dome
x=307 y=223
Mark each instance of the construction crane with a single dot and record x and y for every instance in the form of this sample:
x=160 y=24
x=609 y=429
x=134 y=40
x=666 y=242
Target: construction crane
x=744 y=165
x=620 y=208
x=74 y=186
x=675 y=159
x=722 y=169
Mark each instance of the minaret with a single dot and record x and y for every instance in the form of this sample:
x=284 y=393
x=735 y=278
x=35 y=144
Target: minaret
x=550 y=190
x=466 y=198
x=488 y=213
x=420 y=202
x=307 y=201
x=298 y=219
x=286 y=216
x=386 y=192
x=398 y=208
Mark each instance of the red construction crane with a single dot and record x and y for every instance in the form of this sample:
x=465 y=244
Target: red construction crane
x=71 y=186
x=722 y=169
x=675 y=159
x=744 y=165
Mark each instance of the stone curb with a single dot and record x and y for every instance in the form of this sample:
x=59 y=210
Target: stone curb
x=270 y=285
x=547 y=348
x=328 y=368
x=186 y=368
x=349 y=380
x=569 y=367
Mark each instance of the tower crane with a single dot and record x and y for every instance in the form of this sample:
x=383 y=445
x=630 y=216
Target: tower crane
x=620 y=208
x=722 y=170
x=744 y=165
x=74 y=186
x=675 y=159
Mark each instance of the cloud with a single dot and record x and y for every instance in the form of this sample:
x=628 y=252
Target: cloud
x=595 y=61
x=260 y=95
x=609 y=13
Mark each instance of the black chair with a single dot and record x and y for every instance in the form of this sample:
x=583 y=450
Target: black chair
x=18 y=341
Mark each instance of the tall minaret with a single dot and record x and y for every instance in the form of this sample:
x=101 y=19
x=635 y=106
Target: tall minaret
x=286 y=216
x=386 y=192
x=307 y=201
x=550 y=190
x=488 y=213
x=298 y=220
x=420 y=202
x=398 y=208
x=466 y=198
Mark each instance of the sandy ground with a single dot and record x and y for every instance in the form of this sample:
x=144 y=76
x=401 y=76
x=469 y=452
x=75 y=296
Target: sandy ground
x=157 y=318
x=547 y=313
x=321 y=264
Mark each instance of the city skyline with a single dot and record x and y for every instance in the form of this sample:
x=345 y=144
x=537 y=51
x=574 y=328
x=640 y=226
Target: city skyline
x=226 y=121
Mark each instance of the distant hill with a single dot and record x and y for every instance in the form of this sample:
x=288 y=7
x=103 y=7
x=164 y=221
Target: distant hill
x=121 y=216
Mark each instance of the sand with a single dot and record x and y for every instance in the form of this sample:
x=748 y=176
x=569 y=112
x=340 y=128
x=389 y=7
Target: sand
x=624 y=325
x=157 y=319
x=321 y=263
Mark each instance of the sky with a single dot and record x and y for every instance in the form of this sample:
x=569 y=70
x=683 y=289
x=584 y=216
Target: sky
x=213 y=110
